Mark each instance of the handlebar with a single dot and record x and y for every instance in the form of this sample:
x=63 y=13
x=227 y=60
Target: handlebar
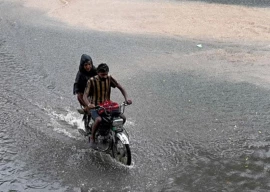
x=97 y=107
x=125 y=104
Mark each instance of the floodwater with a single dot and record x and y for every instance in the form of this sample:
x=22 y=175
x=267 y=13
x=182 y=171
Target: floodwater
x=253 y=3
x=199 y=119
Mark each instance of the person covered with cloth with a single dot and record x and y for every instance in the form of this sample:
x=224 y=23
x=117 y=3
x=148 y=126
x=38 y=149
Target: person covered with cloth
x=97 y=91
x=86 y=71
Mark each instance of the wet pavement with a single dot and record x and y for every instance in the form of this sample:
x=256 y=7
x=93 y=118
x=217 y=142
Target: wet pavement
x=249 y=3
x=199 y=119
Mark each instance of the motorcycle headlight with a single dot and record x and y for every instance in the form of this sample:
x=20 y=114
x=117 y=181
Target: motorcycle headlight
x=117 y=122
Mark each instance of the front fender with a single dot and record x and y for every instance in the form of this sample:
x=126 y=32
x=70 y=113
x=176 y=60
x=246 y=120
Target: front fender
x=122 y=137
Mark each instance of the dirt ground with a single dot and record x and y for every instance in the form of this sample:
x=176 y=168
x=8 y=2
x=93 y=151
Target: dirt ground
x=202 y=22
x=188 y=19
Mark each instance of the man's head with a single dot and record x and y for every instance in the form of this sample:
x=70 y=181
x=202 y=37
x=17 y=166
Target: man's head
x=102 y=71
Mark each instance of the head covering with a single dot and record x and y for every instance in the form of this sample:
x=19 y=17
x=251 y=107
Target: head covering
x=84 y=59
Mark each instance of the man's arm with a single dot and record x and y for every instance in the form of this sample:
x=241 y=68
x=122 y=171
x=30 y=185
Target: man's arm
x=124 y=93
x=86 y=93
x=80 y=99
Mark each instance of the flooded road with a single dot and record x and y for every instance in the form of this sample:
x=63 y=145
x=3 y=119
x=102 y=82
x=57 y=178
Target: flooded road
x=249 y=3
x=199 y=119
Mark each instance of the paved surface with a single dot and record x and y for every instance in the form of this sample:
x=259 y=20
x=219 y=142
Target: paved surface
x=199 y=122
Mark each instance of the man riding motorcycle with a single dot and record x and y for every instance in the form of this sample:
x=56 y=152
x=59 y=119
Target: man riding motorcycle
x=97 y=91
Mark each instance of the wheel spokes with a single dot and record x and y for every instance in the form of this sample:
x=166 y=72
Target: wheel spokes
x=121 y=153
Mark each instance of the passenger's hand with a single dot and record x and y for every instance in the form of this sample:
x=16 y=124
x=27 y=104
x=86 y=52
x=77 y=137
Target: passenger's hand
x=128 y=102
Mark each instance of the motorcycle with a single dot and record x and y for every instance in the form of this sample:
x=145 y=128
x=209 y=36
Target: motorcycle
x=111 y=137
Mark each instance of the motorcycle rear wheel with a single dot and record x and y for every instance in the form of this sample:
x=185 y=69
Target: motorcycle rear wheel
x=121 y=152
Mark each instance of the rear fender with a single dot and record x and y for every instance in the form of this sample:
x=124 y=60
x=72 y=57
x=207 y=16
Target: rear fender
x=122 y=137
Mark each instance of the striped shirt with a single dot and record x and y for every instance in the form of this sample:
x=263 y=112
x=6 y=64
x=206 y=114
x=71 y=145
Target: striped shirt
x=99 y=90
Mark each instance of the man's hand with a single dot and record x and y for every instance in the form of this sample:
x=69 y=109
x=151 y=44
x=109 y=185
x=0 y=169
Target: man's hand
x=90 y=106
x=128 y=102
x=87 y=108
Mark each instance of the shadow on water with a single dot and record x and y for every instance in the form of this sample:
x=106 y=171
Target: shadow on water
x=249 y=3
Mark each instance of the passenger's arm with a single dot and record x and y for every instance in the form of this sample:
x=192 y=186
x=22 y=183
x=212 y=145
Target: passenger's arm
x=85 y=95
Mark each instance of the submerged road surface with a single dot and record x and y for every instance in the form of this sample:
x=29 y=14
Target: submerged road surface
x=199 y=119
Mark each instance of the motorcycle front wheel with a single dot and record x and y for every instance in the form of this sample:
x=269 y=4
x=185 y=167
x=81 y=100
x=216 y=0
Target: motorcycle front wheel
x=121 y=152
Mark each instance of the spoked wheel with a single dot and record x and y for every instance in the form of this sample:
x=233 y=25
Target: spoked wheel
x=104 y=144
x=87 y=124
x=87 y=119
x=121 y=152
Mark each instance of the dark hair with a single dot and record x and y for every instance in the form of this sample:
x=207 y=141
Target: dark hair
x=102 y=68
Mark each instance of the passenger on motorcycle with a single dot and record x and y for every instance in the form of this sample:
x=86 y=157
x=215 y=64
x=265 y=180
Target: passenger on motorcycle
x=97 y=91
x=86 y=71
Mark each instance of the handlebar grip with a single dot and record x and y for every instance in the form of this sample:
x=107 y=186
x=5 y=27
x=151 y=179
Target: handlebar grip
x=126 y=104
x=96 y=107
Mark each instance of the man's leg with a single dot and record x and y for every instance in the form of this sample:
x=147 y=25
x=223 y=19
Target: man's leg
x=94 y=127
x=87 y=123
